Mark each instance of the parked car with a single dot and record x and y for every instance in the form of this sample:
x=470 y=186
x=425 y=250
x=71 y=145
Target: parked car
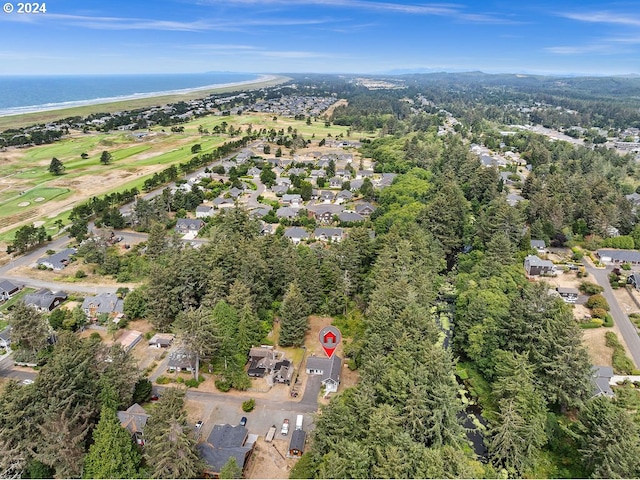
x=199 y=424
x=155 y=398
x=285 y=427
x=243 y=421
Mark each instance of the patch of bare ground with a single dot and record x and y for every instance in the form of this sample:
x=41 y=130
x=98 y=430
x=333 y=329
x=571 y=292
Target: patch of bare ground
x=269 y=460
x=340 y=103
x=68 y=275
x=598 y=351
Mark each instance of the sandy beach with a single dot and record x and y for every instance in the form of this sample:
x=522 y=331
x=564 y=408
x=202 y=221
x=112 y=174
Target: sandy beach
x=43 y=114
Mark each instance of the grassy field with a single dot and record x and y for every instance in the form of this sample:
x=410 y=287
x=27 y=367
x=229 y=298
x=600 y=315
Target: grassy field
x=4 y=308
x=27 y=119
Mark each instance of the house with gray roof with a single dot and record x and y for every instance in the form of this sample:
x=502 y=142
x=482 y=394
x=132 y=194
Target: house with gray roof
x=335 y=182
x=105 y=303
x=326 y=196
x=534 y=265
x=7 y=290
x=134 y=419
x=235 y=192
x=325 y=234
x=181 y=360
x=601 y=382
x=254 y=172
x=568 y=294
x=350 y=217
x=45 y=300
x=225 y=442
x=328 y=368
x=539 y=245
x=613 y=256
x=287 y=212
x=344 y=196
x=296 y=234
x=204 y=211
x=5 y=338
x=386 y=180
x=222 y=202
x=297 y=443
x=365 y=209
x=280 y=189
x=57 y=261
x=188 y=225
x=292 y=200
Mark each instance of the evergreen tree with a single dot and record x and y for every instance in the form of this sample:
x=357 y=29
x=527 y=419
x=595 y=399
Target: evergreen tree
x=113 y=453
x=199 y=334
x=293 y=317
x=30 y=331
x=105 y=157
x=170 y=449
x=231 y=469
x=56 y=166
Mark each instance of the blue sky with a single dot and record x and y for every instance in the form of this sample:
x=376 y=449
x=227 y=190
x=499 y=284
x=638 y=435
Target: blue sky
x=323 y=36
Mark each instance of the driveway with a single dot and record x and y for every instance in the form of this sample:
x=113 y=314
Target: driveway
x=627 y=329
x=8 y=370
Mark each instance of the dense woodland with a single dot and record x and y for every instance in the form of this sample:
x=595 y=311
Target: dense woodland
x=443 y=243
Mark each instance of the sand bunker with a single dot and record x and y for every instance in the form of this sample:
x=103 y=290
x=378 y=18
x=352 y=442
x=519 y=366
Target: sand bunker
x=38 y=224
x=39 y=199
x=24 y=204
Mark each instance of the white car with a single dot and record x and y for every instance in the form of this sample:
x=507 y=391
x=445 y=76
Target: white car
x=285 y=427
x=27 y=381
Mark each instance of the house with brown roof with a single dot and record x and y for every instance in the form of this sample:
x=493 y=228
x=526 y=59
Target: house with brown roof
x=134 y=419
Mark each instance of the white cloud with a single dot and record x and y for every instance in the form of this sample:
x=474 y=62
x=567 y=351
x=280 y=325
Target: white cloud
x=580 y=49
x=604 y=17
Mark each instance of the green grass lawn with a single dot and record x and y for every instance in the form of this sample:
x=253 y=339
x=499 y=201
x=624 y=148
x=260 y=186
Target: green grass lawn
x=48 y=193
x=4 y=308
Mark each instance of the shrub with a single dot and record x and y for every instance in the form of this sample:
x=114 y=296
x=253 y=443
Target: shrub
x=608 y=320
x=95 y=336
x=599 y=313
x=597 y=301
x=192 y=382
x=626 y=266
x=223 y=385
x=595 y=323
x=162 y=380
x=248 y=405
x=80 y=274
x=590 y=288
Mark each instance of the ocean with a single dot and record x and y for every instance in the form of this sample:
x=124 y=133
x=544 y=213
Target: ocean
x=37 y=93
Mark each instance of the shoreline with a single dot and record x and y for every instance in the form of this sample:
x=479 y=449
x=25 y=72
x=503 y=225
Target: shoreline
x=129 y=102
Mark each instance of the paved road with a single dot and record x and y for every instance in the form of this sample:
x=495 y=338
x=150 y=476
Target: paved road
x=627 y=329
x=7 y=370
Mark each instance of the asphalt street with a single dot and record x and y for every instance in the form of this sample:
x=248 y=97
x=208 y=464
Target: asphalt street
x=627 y=329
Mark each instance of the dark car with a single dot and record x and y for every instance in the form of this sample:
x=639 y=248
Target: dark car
x=155 y=398
x=243 y=421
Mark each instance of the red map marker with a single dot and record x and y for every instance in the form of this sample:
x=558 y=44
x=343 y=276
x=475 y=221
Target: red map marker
x=329 y=339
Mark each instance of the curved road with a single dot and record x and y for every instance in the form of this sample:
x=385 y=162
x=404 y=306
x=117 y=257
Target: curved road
x=627 y=329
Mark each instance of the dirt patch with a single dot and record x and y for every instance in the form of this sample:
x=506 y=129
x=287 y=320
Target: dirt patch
x=340 y=103
x=267 y=460
x=594 y=340
x=39 y=199
x=24 y=204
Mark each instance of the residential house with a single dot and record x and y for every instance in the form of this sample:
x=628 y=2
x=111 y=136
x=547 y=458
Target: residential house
x=280 y=190
x=235 y=193
x=326 y=196
x=350 y=217
x=254 y=172
x=7 y=290
x=356 y=184
x=283 y=181
x=619 y=256
x=534 y=265
x=324 y=212
x=261 y=361
x=364 y=174
x=225 y=442
x=296 y=234
x=45 y=300
x=5 y=338
x=601 y=382
x=317 y=173
x=221 y=202
x=260 y=212
x=325 y=234
x=204 y=211
x=57 y=261
x=292 y=200
x=568 y=294
x=297 y=443
x=335 y=182
x=287 y=212
x=365 y=209
x=344 y=174
x=134 y=419
x=181 y=360
x=634 y=279
x=161 y=340
x=386 y=180
x=188 y=225
x=328 y=368
x=539 y=245
x=283 y=372
x=344 y=196
x=105 y=303
x=298 y=172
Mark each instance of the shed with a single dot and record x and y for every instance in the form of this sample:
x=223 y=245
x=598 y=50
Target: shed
x=297 y=443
